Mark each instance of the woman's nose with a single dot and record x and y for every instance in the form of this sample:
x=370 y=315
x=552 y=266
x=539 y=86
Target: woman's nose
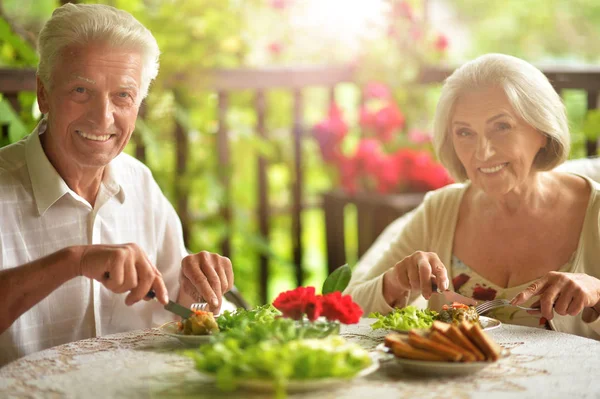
x=485 y=149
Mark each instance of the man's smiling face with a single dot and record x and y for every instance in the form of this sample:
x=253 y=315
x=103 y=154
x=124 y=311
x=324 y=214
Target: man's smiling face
x=92 y=105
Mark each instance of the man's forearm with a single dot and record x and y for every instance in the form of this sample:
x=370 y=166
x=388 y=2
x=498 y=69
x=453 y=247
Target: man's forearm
x=24 y=286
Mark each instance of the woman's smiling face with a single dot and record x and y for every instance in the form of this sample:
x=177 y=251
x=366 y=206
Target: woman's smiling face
x=496 y=147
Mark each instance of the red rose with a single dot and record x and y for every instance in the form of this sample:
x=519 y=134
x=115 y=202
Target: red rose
x=329 y=133
x=386 y=121
x=377 y=90
x=404 y=10
x=314 y=307
x=348 y=173
x=388 y=175
x=341 y=307
x=294 y=303
x=441 y=43
x=275 y=48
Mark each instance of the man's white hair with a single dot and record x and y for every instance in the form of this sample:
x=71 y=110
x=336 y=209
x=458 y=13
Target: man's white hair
x=529 y=92
x=83 y=24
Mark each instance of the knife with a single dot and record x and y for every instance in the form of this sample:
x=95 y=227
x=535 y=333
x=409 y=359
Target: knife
x=173 y=307
x=451 y=296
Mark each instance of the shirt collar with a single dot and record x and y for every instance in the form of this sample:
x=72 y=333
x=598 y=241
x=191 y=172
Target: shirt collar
x=47 y=185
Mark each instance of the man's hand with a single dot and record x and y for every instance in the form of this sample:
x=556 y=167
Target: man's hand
x=122 y=268
x=564 y=293
x=206 y=277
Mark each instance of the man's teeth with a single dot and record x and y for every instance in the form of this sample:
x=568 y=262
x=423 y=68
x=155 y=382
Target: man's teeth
x=92 y=137
x=493 y=169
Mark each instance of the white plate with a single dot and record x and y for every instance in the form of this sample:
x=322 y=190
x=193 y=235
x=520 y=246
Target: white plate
x=299 y=385
x=487 y=323
x=170 y=329
x=438 y=369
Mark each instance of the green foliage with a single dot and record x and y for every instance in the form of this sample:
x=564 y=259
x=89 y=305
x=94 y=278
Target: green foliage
x=196 y=35
x=404 y=319
x=338 y=280
x=536 y=30
x=591 y=127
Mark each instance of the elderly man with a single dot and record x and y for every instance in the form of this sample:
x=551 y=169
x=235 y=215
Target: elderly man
x=85 y=232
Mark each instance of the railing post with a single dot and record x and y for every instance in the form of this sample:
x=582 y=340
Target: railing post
x=140 y=146
x=592 y=103
x=263 y=202
x=297 y=187
x=333 y=208
x=224 y=169
x=181 y=188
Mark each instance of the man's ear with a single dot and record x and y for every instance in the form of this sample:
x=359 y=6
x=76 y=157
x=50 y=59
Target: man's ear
x=42 y=96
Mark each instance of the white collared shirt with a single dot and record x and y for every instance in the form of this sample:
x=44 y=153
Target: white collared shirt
x=40 y=214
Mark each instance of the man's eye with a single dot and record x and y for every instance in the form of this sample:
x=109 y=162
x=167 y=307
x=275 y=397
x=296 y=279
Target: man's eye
x=80 y=90
x=123 y=95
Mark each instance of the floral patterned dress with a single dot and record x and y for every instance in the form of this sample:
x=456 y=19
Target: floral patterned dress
x=470 y=284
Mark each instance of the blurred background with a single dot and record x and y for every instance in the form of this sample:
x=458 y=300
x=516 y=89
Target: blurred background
x=288 y=133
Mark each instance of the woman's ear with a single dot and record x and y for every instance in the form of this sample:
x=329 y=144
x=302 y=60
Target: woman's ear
x=545 y=141
x=42 y=96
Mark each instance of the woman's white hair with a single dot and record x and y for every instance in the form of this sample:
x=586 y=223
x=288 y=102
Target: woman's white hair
x=82 y=24
x=530 y=94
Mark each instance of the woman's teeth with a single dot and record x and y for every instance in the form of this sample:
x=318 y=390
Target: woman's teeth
x=92 y=137
x=493 y=169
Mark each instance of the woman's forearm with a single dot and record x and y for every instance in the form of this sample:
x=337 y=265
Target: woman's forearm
x=24 y=286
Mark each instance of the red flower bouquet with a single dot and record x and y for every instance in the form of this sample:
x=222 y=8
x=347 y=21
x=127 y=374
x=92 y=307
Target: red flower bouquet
x=303 y=301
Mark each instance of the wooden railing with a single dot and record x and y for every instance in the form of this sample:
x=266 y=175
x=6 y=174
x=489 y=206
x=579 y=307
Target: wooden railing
x=224 y=82
x=374 y=212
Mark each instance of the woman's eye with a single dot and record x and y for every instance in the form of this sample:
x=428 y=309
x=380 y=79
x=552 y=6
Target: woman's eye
x=123 y=95
x=463 y=133
x=503 y=126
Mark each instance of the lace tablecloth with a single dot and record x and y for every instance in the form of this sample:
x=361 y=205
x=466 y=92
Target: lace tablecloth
x=145 y=364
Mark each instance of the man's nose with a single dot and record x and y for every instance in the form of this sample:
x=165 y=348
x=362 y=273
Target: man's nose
x=485 y=149
x=101 y=114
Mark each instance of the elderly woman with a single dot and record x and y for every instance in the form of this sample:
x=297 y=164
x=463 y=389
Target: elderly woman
x=513 y=228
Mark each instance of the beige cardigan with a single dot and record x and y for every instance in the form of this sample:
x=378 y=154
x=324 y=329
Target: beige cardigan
x=432 y=229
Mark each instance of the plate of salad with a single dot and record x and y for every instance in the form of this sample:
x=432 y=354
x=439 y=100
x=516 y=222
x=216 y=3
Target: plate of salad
x=173 y=329
x=292 y=366
x=412 y=318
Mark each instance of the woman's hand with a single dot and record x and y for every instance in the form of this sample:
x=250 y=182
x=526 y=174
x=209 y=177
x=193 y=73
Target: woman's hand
x=414 y=273
x=566 y=293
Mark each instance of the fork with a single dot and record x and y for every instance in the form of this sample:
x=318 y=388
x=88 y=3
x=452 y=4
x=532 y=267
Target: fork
x=199 y=306
x=498 y=303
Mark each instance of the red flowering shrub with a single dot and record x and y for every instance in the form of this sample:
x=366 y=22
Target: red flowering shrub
x=380 y=161
x=384 y=152
x=302 y=301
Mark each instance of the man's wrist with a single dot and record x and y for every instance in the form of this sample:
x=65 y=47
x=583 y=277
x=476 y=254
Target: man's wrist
x=72 y=257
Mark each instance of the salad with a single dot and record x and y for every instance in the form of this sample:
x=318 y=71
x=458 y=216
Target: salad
x=411 y=317
x=405 y=319
x=234 y=359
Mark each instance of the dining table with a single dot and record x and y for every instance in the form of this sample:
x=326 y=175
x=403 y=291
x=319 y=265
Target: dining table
x=149 y=364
